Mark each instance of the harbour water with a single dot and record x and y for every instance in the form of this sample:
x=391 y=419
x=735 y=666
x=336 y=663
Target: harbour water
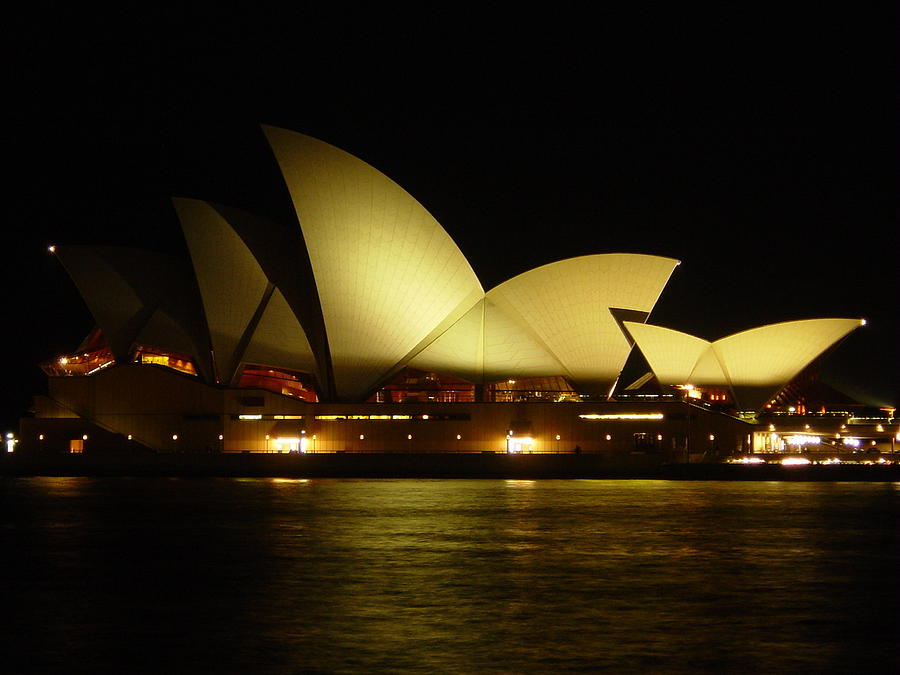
x=447 y=576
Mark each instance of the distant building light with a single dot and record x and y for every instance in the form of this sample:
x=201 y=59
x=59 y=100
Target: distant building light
x=288 y=444
x=794 y=461
x=802 y=440
x=519 y=444
x=623 y=416
x=249 y=417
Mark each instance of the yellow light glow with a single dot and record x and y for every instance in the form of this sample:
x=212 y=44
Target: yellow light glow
x=287 y=444
x=623 y=416
x=794 y=461
x=519 y=444
x=249 y=417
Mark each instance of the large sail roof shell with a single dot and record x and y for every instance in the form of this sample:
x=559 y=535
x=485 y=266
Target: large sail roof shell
x=139 y=297
x=387 y=273
x=569 y=308
x=761 y=361
x=755 y=364
x=249 y=320
x=671 y=354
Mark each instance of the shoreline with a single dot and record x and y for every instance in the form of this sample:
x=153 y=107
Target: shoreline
x=427 y=465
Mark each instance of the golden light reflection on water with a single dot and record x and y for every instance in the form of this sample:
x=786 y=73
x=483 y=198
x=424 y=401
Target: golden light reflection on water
x=289 y=481
x=452 y=576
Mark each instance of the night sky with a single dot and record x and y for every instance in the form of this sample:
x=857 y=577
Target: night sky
x=755 y=149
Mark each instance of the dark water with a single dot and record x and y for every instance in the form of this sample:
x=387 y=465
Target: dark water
x=447 y=576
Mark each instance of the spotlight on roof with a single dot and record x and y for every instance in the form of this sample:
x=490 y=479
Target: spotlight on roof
x=51 y=248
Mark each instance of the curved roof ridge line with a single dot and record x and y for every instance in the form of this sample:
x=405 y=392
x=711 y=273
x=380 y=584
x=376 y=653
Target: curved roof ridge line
x=584 y=257
x=862 y=322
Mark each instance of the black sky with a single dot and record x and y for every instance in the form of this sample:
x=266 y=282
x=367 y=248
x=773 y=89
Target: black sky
x=755 y=149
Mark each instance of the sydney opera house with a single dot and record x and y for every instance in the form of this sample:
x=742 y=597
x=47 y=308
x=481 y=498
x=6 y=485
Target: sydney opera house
x=362 y=328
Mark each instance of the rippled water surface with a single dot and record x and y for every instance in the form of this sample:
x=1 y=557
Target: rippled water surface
x=447 y=576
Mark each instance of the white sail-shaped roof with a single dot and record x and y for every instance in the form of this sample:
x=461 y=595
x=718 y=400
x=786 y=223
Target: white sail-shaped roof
x=755 y=364
x=671 y=354
x=138 y=297
x=761 y=361
x=459 y=351
x=387 y=273
x=569 y=308
x=113 y=302
x=238 y=297
x=512 y=348
x=278 y=339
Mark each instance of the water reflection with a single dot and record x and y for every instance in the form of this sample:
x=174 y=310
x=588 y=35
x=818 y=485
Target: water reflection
x=449 y=576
